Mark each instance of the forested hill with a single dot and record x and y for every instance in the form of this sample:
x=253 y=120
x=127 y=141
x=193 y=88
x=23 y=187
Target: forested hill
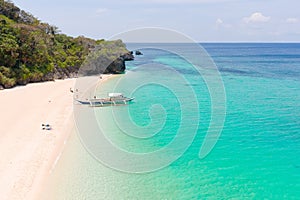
x=34 y=51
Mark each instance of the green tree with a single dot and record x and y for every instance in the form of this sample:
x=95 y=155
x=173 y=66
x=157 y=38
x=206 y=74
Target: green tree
x=8 y=50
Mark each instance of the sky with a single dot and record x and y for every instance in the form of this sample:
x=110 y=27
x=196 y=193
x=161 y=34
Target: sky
x=202 y=20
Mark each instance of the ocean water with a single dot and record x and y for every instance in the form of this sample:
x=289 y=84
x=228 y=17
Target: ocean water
x=256 y=155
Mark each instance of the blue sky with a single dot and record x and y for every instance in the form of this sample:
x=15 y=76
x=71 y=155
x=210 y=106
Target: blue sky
x=202 y=20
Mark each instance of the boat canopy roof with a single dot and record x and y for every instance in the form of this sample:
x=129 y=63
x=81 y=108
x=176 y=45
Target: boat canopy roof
x=115 y=94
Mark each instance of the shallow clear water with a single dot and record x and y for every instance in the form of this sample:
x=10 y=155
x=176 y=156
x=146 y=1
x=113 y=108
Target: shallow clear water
x=256 y=155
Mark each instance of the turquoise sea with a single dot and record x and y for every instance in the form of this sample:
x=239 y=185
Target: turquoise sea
x=256 y=155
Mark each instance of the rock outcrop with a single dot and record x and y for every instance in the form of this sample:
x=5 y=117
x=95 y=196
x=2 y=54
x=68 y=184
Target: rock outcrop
x=128 y=56
x=137 y=52
x=108 y=57
x=118 y=66
x=62 y=73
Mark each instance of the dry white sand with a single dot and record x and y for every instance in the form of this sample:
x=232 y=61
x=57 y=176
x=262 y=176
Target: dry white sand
x=26 y=151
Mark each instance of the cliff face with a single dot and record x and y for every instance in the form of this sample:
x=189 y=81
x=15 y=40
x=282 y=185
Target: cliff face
x=33 y=51
x=108 y=57
x=118 y=65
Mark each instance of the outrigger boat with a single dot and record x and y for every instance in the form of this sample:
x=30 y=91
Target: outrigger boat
x=113 y=99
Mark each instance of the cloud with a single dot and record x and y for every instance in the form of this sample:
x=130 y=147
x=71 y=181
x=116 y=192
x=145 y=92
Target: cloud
x=292 y=20
x=220 y=23
x=256 y=18
x=100 y=11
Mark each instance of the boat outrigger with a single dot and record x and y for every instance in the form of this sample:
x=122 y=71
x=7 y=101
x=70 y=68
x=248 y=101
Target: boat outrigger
x=113 y=99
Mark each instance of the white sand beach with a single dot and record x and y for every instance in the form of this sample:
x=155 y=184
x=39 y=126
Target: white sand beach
x=29 y=153
x=27 y=150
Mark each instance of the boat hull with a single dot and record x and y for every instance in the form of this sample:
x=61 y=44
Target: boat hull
x=103 y=102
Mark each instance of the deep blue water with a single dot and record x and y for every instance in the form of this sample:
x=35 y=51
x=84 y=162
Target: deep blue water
x=277 y=60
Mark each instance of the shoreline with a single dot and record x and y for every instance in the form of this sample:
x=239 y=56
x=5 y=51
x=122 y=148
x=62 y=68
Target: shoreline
x=56 y=155
x=29 y=154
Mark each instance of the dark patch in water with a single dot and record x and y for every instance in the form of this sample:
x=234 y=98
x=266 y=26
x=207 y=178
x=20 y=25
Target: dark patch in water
x=191 y=84
x=235 y=71
x=297 y=166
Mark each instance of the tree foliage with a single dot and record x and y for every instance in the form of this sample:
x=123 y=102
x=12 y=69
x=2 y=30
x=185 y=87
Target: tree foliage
x=33 y=51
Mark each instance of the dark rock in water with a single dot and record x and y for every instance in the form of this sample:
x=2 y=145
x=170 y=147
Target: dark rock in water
x=137 y=52
x=1 y=87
